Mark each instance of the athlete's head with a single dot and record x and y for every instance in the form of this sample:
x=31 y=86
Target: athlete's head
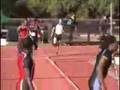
x=104 y=17
x=106 y=41
x=73 y=17
x=24 y=23
x=60 y=21
x=113 y=46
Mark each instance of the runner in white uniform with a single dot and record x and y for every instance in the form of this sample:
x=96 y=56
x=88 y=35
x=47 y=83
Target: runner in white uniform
x=58 y=32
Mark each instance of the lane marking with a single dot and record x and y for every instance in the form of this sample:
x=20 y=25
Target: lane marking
x=21 y=85
x=34 y=85
x=62 y=73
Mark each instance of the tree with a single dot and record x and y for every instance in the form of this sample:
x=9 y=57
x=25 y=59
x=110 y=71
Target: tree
x=59 y=8
x=8 y=7
x=101 y=7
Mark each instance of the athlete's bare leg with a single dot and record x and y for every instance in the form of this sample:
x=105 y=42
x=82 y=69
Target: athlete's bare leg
x=28 y=79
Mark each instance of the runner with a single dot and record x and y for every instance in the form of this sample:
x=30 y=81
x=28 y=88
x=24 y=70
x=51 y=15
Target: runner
x=58 y=34
x=71 y=25
x=104 y=25
x=33 y=26
x=25 y=61
x=103 y=62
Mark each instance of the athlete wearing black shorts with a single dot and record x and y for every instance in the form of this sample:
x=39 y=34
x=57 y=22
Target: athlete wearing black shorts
x=58 y=33
x=59 y=37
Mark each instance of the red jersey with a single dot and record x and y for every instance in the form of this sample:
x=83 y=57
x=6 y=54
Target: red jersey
x=23 y=32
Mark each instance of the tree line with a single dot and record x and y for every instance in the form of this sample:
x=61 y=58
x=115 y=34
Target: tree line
x=59 y=8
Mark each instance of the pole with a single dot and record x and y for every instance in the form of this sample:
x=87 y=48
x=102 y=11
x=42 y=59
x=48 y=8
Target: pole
x=111 y=26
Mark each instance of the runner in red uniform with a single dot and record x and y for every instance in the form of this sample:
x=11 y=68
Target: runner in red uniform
x=25 y=61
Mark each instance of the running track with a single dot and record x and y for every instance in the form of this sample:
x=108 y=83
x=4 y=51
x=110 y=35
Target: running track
x=69 y=70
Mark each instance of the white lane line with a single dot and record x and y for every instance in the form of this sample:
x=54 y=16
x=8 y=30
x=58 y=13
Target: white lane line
x=21 y=85
x=34 y=85
x=62 y=73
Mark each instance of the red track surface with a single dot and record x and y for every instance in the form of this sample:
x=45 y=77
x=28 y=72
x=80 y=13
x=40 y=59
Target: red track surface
x=73 y=61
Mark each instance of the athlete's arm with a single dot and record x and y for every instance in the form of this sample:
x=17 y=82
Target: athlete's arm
x=62 y=29
x=18 y=28
x=100 y=71
x=35 y=45
x=52 y=32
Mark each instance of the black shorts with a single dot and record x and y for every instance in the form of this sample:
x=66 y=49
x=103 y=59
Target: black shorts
x=59 y=37
x=35 y=39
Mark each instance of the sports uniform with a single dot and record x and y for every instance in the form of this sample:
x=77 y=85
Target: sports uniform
x=58 y=32
x=94 y=81
x=33 y=28
x=25 y=44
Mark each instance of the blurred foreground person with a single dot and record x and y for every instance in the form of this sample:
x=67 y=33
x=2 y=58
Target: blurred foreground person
x=25 y=61
x=103 y=62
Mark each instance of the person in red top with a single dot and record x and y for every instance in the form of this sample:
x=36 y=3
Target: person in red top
x=25 y=61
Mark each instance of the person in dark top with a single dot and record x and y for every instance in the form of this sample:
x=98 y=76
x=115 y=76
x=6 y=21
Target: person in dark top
x=33 y=26
x=25 y=61
x=72 y=24
x=104 y=25
x=103 y=62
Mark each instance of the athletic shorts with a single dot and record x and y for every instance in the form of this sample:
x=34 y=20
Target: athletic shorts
x=35 y=39
x=97 y=84
x=59 y=37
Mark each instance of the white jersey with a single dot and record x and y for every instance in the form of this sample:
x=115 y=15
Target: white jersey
x=58 y=29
